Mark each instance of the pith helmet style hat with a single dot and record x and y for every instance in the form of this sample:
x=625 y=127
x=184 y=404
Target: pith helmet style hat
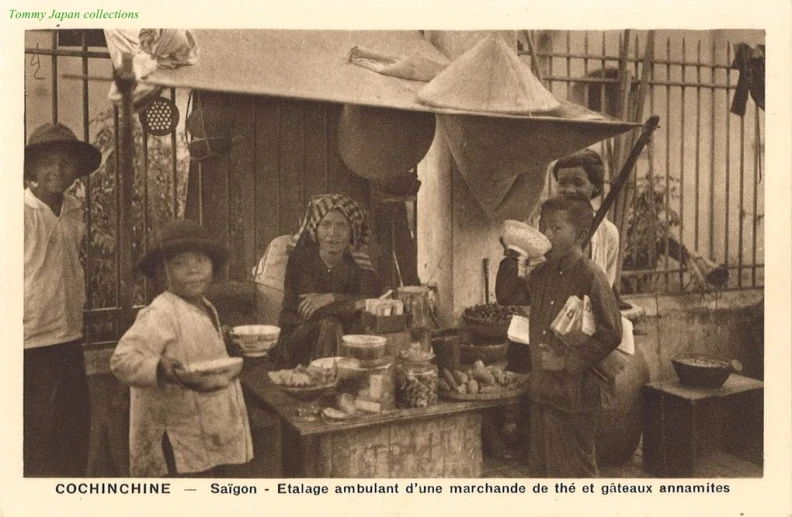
x=58 y=136
x=178 y=237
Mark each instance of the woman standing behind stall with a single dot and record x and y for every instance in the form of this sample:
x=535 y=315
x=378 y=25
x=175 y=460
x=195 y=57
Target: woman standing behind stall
x=328 y=277
x=582 y=175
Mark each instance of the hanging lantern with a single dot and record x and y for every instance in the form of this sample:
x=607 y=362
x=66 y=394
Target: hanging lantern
x=380 y=143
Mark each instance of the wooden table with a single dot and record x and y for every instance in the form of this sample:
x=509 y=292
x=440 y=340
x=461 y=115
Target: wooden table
x=440 y=441
x=682 y=424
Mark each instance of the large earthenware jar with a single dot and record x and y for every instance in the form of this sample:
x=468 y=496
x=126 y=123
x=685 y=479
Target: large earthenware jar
x=619 y=429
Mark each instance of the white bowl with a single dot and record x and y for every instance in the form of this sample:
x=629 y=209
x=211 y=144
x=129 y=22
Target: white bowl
x=525 y=238
x=210 y=375
x=255 y=338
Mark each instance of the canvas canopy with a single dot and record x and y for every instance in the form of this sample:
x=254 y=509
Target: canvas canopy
x=502 y=146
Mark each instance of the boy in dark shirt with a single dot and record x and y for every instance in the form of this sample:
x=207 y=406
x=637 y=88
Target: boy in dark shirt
x=563 y=391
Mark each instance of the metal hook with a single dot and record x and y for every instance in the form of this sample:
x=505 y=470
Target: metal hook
x=36 y=61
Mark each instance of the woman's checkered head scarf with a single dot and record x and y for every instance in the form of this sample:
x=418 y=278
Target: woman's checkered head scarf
x=318 y=208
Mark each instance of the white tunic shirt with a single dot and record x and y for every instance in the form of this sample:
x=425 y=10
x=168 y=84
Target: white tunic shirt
x=54 y=277
x=605 y=249
x=205 y=429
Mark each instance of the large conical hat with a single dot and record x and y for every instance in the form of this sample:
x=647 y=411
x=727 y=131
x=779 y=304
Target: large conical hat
x=381 y=143
x=492 y=153
x=503 y=125
x=489 y=77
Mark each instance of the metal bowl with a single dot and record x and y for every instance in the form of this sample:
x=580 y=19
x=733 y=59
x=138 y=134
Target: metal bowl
x=701 y=370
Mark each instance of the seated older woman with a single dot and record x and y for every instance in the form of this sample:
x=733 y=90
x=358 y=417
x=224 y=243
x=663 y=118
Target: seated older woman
x=328 y=277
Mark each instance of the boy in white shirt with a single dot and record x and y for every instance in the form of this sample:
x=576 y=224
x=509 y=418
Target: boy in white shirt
x=56 y=404
x=175 y=428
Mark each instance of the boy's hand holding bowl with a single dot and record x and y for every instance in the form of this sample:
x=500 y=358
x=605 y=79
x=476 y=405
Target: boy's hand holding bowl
x=207 y=376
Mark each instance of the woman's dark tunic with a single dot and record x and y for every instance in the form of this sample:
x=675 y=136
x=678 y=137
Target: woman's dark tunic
x=303 y=340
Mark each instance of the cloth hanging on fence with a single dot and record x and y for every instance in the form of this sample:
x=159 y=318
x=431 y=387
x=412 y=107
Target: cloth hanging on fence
x=751 y=64
x=151 y=49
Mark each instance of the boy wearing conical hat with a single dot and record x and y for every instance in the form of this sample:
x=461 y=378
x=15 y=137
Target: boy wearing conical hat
x=178 y=427
x=56 y=404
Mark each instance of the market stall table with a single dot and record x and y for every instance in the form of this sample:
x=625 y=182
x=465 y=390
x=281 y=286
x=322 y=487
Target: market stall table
x=442 y=441
x=683 y=424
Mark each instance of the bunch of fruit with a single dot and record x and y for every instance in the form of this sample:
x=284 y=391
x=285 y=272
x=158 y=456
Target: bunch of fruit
x=303 y=377
x=491 y=313
x=480 y=379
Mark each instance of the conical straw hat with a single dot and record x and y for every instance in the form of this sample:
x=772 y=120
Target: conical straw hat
x=381 y=143
x=490 y=77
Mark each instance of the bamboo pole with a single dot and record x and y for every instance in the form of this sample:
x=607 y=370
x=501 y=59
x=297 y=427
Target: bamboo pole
x=633 y=111
x=621 y=180
x=534 y=60
x=625 y=81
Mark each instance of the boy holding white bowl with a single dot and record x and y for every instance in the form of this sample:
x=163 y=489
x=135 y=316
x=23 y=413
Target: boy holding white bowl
x=180 y=426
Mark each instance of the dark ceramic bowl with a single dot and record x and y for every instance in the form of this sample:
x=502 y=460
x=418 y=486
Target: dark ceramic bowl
x=701 y=370
x=488 y=354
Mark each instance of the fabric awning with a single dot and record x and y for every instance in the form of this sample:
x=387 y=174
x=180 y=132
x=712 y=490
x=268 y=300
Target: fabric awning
x=493 y=149
x=313 y=65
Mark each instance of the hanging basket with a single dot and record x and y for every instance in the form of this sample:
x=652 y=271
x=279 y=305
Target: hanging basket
x=381 y=143
x=210 y=124
x=160 y=117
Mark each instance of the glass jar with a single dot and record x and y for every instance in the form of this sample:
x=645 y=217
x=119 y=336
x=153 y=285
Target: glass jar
x=416 y=384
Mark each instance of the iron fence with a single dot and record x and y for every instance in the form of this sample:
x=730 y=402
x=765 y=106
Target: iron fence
x=704 y=163
x=80 y=74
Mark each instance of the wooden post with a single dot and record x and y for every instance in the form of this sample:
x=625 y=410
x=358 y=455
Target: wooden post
x=125 y=81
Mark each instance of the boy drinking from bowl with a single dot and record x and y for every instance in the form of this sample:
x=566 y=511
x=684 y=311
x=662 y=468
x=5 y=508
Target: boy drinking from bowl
x=563 y=391
x=180 y=426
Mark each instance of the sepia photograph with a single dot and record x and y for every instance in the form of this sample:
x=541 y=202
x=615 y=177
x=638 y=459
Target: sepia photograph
x=360 y=220
x=478 y=263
